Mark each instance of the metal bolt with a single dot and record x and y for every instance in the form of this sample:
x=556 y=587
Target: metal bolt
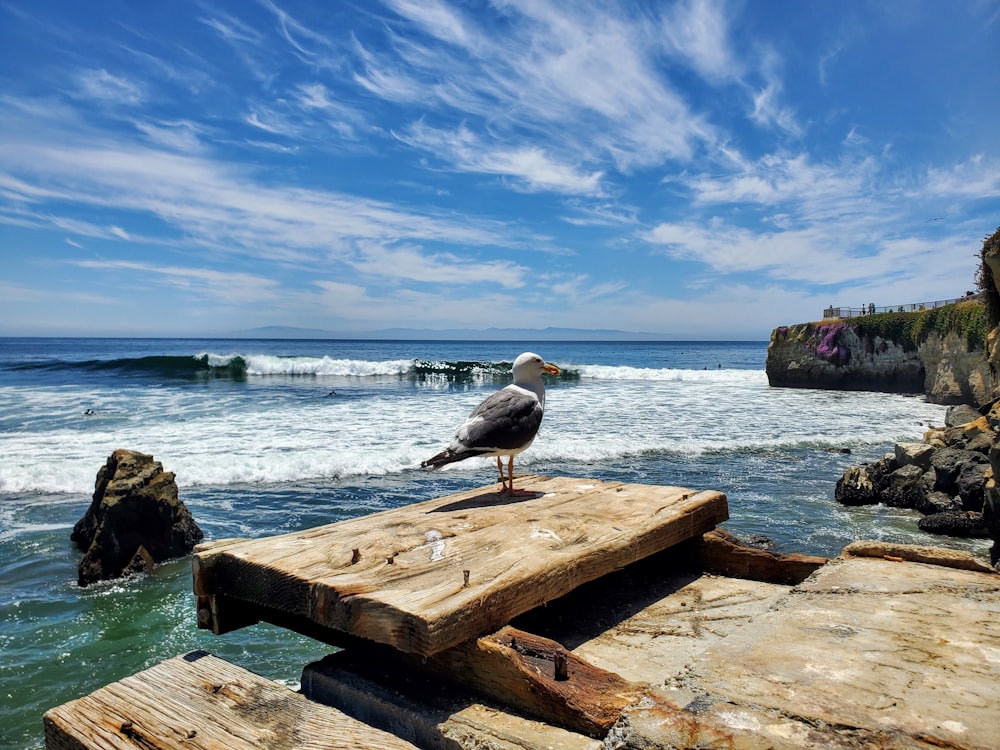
x=561 y=664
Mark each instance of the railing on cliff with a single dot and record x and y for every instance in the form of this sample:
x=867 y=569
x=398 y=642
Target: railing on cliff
x=872 y=309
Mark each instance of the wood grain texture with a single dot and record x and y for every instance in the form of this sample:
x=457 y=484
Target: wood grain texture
x=399 y=577
x=199 y=701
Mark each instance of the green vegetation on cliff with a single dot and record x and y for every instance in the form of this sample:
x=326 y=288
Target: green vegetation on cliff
x=984 y=279
x=908 y=330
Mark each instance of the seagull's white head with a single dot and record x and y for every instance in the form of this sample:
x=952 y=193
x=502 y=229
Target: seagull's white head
x=528 y=368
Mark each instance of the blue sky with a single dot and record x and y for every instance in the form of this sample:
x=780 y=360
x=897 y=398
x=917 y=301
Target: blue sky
x=697 y=170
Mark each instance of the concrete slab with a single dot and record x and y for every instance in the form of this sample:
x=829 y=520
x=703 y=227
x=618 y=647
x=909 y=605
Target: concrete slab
x=660 y=640
x=896 y=653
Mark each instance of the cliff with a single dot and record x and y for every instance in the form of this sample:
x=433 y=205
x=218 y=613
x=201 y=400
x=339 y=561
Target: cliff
x=949 y=353
x=847 y=355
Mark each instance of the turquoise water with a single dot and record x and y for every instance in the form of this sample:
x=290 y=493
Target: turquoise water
x=267 y=437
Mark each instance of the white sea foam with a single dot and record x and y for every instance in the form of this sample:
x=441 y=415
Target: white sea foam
x=225 y=436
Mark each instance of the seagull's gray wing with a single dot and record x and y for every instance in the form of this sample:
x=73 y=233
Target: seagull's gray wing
x=507 y=420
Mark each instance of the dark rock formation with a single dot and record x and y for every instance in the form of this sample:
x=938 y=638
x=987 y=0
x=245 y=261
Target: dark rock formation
x=134 y=521
x=954 y=523
x=855 y=487
x=941 y=477
x=907 y=487
x=961 y=414
x=938 y=502
x=948 y=465
x=970 y=484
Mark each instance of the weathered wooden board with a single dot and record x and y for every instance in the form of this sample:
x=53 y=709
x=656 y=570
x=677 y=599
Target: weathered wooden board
x=431 y=712
x=199 y=701
x=428 y=576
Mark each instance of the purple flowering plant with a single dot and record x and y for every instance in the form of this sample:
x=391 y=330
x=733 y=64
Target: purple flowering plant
x=829 y=347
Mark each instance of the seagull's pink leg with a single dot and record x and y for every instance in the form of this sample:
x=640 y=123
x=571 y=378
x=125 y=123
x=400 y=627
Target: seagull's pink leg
x=511 y=492
x=503 y=481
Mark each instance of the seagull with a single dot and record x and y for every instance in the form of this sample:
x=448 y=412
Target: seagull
x=504 y=424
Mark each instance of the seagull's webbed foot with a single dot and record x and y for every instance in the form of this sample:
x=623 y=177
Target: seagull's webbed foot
x=512 y=491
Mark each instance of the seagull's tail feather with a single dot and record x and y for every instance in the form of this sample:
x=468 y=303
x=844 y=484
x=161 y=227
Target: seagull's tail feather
x=447 y=456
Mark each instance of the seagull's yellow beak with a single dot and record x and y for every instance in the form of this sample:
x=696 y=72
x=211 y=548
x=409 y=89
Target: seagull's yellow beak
x=550 y=369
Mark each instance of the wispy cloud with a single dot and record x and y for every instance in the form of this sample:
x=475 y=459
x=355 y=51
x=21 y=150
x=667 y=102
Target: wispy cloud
x=102 y=86
x=697 y=32
x=422 y=158
x=411 y=264
x=227 y=286
x=532 y=168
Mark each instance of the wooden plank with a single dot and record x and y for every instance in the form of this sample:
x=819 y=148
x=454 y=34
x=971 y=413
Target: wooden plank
x=431 y=712
x=428 y=576
x=720 y=552
x=200 y=701
x=539 y=677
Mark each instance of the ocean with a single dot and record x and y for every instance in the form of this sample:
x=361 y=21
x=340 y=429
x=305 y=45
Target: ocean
x=273 y=436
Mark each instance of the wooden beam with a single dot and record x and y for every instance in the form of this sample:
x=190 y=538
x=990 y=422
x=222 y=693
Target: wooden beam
x=720 y=552
x=529 y=674
x=200 y=701
x=428 y=576
x=539 y=677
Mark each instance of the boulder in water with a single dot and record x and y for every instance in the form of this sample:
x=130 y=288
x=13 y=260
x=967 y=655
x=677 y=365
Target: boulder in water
x=955 y=523
x=134 y=521
x=907 y=488
x=856 y=487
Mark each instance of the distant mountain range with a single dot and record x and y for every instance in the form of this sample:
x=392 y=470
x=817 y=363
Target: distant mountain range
x=457 y=334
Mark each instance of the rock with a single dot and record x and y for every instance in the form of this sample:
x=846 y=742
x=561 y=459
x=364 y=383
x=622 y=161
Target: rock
x=855 y=487
x=991 y=506
x=948 y=463
x=970 y=482
x=991 y=522
x=939 y=502
x=962 y=435
x=757 y=541
x=960 y=414
x=954 y=523
x=907 y=488
x=917 y=454
x=980 y=443
x=881 y=470
x=935 y=437
x=134 y=521
x=848 y=355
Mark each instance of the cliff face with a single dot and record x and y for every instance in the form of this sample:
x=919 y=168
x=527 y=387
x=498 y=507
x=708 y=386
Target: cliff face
x=835 y=356
x=949 y=353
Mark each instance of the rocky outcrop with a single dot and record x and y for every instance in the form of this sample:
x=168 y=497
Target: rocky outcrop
x=837 y=355
x=948 y=477
x=134 y=521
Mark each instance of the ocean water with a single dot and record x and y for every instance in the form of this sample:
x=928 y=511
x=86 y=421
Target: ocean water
x=273 y=436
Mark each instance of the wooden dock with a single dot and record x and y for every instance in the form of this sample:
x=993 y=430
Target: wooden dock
x=428 y=576
x=657 y=632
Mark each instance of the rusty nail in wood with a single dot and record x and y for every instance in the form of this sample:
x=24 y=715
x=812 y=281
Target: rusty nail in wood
x=355 y=556
x=126 y=727
x=204 y=617
x=389 y=559
x=561 y=664
x=465 y=578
